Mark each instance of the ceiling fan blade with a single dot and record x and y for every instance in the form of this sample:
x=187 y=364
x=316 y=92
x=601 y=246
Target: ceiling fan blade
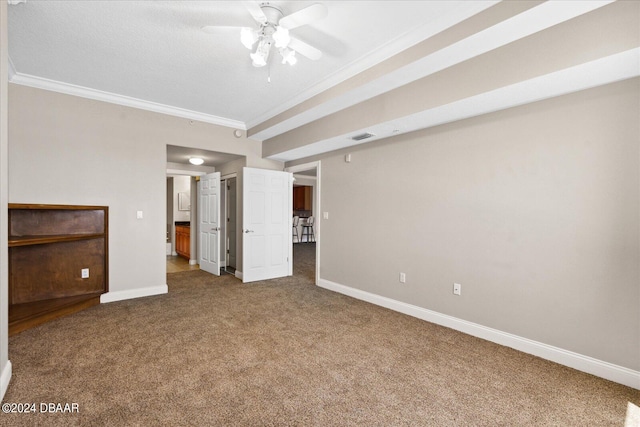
x=305 y=16
x=255 y=11
x=304 y=49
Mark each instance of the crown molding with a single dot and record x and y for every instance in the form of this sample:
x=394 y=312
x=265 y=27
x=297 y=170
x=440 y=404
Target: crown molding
x=112 y=98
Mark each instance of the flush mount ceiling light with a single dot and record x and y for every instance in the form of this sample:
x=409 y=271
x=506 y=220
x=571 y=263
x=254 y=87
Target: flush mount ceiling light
x=196 y=161
x=273 y=31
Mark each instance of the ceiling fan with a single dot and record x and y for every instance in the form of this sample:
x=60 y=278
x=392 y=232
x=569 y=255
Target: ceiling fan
x=273 y=31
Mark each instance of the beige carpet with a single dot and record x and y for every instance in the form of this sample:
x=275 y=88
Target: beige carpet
x=216 y=352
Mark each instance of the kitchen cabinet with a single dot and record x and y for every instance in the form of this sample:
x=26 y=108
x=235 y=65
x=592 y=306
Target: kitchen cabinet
x=302 y=198
x=183 y=240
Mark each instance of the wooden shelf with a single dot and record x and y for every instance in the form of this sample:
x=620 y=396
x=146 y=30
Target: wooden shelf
x=41 y=240
x=25 y=316
x=49 y=247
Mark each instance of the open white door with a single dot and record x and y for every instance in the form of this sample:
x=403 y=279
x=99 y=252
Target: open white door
x=266 y=224
x=209 y=223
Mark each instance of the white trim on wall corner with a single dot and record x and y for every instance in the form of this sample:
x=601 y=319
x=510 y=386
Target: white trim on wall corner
x=238 y=274
x=568 y=358
x=5 y=379
x=12 y=68
x=113 y=98
x=133 y=293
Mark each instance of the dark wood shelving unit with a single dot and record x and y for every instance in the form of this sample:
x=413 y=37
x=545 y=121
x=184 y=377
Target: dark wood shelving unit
x=49 y=246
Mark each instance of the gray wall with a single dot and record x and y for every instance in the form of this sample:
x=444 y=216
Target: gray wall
x=534 y=210
x=70 y=150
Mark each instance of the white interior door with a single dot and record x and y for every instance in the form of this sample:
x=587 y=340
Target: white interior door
x=266 y=224
x=209 y=223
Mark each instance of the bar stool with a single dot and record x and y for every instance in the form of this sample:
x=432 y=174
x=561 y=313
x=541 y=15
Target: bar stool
x=296 y=221
x=307 y=230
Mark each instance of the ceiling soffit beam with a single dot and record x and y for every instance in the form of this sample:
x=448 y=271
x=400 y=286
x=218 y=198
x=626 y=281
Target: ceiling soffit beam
x=611 y=69
x=563 y=46
x=495 y=27
x=384 y=59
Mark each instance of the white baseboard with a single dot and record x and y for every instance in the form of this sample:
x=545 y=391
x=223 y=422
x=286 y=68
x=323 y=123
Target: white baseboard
x=238 y=274
x=568 y=358
x=5 y=379
x=133 y=293
x=193 y=261
x=174 y=253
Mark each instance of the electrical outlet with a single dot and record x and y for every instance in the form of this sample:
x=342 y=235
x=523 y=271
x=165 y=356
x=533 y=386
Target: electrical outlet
x=403 y=278
x=457 y=289
x=84 y=273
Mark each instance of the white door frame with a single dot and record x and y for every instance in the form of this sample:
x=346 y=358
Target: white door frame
x=317 y=226
x=193 y=241
x=223 y=240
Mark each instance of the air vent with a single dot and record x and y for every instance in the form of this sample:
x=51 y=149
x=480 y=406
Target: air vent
x=362 y=136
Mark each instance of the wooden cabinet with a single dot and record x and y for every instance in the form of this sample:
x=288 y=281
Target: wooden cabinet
x=58 y=261
x=183 y=240
x=302 y=197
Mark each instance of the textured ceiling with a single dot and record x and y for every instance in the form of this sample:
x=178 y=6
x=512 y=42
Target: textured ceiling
x=155 y=51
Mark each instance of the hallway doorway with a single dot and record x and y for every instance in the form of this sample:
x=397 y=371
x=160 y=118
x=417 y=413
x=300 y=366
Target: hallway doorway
x=306 y=255
x=228 y=207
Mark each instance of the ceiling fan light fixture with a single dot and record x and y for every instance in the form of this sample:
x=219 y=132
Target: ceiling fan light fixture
x=288 y=56
x=281 y=37
x=261 y=54
x=196 y=161
x=248 y=37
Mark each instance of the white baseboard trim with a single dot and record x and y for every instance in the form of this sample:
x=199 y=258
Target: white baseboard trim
x=238 y=274
x=174 y=253
x=193 y=261
x=5 y=379
x=568 y=358
x=133 y=293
